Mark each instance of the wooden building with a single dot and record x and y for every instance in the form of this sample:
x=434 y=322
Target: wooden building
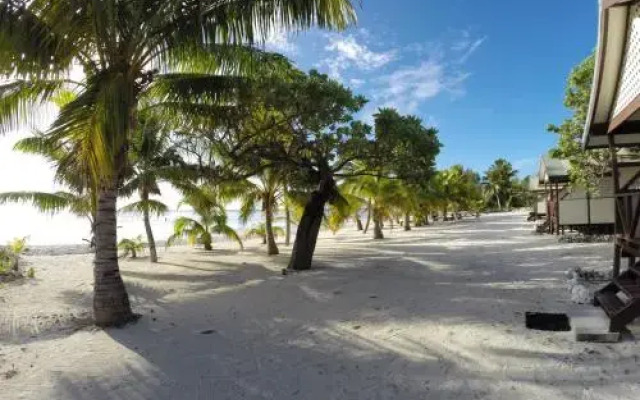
x=539 y=207
x=572 y=207
x=613 y=122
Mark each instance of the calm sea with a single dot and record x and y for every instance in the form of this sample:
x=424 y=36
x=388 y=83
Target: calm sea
x=67 y=229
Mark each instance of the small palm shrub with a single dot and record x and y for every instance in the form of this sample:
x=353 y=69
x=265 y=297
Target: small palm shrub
x=260 y=231
x=10 y=256
x=131 y=247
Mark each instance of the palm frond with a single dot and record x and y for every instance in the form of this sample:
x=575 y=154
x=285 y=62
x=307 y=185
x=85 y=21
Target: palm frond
x=151 y=206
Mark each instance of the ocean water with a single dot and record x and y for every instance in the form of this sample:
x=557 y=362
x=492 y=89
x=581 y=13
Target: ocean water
x=67 y=229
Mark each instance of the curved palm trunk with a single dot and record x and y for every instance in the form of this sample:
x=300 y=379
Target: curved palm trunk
x=499 y=203
x=153 y=255
x=309 y=227
x=407 y=222
x=366 y=226
x=111 y=305
x=272 y=247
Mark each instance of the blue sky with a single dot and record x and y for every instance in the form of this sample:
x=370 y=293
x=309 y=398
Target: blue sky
x=489 y=74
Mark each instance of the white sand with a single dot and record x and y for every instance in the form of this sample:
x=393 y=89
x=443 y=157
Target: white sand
x=436 y=313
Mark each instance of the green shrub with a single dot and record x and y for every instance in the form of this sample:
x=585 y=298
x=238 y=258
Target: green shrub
x=10 y=256
x=18 y=246
x=31 y=273
x=131 y=247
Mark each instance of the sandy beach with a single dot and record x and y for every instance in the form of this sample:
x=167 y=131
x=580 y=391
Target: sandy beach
x=435 y=313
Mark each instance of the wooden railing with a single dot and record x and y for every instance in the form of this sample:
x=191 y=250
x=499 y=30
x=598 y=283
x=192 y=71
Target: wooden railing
x=627 y=241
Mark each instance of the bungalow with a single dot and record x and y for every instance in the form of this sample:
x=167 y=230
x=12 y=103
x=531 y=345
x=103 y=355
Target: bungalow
x=572 y=207
x=613 y=122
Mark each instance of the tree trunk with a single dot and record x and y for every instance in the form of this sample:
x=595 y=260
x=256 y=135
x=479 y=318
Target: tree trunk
x=134 y=253
x=287 y=217
x=207 y=246
x=111 y=305
x=309 y=227
x=358 y=222
x=272 y=247
x=407 y=220
x=366 y=226
x=499 y=204
x=377 y=227
x=153 y=255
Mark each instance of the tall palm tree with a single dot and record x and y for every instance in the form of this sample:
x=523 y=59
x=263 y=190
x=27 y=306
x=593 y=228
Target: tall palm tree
x=499 y=181
x=212 y=219
x=382 y=196
x=152 y=160
x=265 y=191
x=129 y=51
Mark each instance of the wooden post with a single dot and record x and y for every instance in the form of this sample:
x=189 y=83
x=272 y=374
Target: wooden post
x=617 y=250
x=557 y=205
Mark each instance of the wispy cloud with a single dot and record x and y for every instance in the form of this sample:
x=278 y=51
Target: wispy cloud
x=347 y=52
x=466 y=45
x=409 y=86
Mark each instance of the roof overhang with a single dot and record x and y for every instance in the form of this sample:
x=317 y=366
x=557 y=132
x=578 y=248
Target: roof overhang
x=614 y=110
x=553 y=170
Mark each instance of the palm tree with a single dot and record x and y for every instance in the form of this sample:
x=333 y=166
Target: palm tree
x=212 y=219
x=499 y=181
x=382 y=196
x=266 y=191
x=131 y=247
x=130 y=52
x=152 y=160
x=260 y=231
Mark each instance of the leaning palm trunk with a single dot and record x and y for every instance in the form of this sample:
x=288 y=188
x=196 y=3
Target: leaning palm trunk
x=309 y=227
x=407 y=220
x=272 y=247
x=153 y=255
x=366 y=226
x=110 y=299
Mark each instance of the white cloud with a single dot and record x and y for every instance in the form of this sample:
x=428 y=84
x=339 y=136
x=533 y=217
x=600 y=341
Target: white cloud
x=465 y=46
x=409 y=86
x=347 y=52
x=280 y=41
x=356 y=83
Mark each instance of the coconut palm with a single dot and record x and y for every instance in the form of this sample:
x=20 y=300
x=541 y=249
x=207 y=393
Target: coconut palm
x=131 y=247
x=152 y=160
x=207 y=203
x=128 y=51
x=382 y=196
x=260 y=231
x=499 y=182
x=265 y=191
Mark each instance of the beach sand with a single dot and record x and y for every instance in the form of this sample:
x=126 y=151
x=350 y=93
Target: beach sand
x=435 y=313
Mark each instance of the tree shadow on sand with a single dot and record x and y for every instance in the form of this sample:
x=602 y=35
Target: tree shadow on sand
x=444 y=325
